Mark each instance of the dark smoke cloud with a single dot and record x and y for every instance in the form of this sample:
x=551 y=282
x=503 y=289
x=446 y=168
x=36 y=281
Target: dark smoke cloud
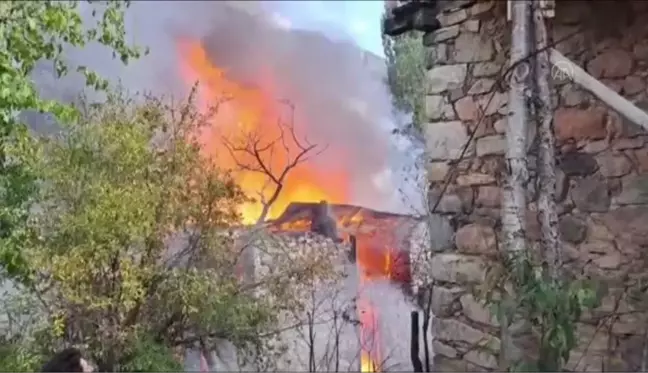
x=337 y=87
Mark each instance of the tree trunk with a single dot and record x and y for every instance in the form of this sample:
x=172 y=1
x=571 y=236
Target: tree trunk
x=546 y=156
x=514 y=191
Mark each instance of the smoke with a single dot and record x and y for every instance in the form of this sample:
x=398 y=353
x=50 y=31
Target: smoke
x=338 y=90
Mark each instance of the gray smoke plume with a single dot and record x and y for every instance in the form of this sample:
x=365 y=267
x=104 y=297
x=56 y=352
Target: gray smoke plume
x=336 y=87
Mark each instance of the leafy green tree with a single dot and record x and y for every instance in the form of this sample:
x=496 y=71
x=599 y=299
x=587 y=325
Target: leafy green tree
x=32 y=31
x=128 y=239
x=405 y=56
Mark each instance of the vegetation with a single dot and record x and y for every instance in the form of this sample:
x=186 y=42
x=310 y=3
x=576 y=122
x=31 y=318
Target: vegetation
x=551 y=306
x=406 y=60
x=103 y=271
x=30 y=32
x=116 y=235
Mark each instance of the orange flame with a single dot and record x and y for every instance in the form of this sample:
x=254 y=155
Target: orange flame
x=255 y=110
x=369 y=337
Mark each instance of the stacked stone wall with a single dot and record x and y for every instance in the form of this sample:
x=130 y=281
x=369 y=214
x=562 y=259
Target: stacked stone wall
x=602 y=186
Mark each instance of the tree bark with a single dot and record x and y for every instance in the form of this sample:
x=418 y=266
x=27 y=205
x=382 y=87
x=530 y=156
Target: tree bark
x=546 y=157
x=514 y=191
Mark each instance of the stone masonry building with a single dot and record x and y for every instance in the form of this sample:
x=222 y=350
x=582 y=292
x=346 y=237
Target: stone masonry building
x=602 y=186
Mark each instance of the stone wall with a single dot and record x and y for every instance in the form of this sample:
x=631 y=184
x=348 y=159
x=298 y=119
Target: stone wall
x=602 y=187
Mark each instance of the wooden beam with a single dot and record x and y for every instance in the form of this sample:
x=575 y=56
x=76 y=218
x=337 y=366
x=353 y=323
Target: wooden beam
x=598 y=89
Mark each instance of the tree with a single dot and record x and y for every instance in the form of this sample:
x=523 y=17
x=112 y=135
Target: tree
x=31 y=31
x=132 y=241
x=274 y=158
x=547 y=157
x=405 y=55
x=513 y=192
x=128 y=243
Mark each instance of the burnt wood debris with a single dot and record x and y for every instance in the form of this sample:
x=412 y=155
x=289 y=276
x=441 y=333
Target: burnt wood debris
x=415 y=15
x=323 y=223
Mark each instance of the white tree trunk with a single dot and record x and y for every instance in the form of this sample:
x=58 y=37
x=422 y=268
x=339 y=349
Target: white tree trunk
x=546 y=156
x=514 y=191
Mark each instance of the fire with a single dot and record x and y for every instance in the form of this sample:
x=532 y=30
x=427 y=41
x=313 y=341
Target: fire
x=369 y=336
x=255 y=110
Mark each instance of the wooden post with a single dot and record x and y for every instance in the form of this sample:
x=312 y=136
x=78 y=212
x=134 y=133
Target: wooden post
x=353 y=250
x=624 y=107
x=414 y=343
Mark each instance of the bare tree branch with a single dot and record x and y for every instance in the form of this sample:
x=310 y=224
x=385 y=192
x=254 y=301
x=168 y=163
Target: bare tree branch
x=252 y=154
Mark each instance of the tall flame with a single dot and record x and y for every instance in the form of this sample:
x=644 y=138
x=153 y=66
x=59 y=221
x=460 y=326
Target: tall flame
x=256 y=110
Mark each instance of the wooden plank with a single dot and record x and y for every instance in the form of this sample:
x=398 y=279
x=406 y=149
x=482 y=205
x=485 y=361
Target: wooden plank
x=615 y=101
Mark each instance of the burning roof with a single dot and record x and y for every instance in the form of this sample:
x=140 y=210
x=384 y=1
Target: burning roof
x=351 y=220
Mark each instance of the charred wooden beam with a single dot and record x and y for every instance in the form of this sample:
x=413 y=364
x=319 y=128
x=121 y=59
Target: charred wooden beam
x=414 y=15
x=323 y=222
x=353 y=249
x=417 y=364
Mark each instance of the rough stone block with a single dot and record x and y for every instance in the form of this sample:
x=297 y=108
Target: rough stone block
x=475 y=178
x=440 y=35
x=436 y=55
x=444 y=350
x=451 y=330
x=612 y=63
x=641 y=159
x=481 y=358
x=445 y=77
x=613 y=165
x=577 y=164
x=437 y=107
x=473 y=47
x=572 y=96
x=633 y=85
x=489 y=196
x=446 y=364
x=458 y=269
x=634 y=190
x=478 y=312
x=490 y=145
x=443 y=300
x=572 y=229
x=452 y=18
x=471 y=25
x=594 y=147
x=628 y=222
x=437 y=171
x=481 y=86
x=481 y=7
x=590 y=194
x=625 y=144
x=579 y=124
x=484 y=69
x=476 y=239
x=445 y=140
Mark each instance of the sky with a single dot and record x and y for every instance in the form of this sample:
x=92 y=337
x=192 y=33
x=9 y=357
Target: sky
x=358 y=21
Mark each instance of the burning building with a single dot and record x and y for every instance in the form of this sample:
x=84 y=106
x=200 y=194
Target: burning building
x=272 y=84
x=357 y=321
x=292 y=153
